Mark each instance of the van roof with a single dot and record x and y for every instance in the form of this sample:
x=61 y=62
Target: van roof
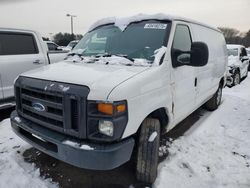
x=122 y=23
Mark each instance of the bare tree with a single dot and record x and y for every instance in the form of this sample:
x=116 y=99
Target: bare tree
x=232 y=36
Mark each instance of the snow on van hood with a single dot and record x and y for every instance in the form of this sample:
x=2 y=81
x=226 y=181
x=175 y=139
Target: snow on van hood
x=101 y=79
x=233 y=61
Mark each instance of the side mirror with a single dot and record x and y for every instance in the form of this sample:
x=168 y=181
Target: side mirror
x=197 y=57
x=199 y=54
x=181 y=58
x=244 y=58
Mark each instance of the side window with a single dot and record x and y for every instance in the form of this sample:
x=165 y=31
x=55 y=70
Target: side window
x=243 y=52
x=17 y=44
x=52 y=47
x=182 y=43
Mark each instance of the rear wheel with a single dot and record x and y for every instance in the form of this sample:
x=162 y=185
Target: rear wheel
x=148 y=149
x=215 y=101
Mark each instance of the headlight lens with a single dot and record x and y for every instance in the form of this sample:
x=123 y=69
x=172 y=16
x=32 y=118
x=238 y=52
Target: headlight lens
x=106 y=127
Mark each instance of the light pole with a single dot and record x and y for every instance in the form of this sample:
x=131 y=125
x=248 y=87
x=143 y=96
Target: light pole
x=71 y=17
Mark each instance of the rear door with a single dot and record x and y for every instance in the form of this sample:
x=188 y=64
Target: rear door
x=183 y=77
x=19 y=52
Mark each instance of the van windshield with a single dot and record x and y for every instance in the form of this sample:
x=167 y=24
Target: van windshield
x=139 y=40
x=232 y=51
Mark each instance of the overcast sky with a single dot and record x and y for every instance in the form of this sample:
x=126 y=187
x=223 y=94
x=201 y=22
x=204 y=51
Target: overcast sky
x=49 y=16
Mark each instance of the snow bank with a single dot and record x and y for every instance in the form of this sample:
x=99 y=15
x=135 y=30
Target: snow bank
x=14 y=172
x=215 y=151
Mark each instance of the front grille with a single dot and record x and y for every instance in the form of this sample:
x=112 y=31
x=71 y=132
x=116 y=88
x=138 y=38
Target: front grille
x=59 y=109
x=74 y=114
x=52 y=117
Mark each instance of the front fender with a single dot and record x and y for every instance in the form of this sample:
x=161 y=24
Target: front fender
x=140 y=107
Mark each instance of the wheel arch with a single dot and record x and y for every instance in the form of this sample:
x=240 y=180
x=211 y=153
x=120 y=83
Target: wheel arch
x=222 y=82
x=162 y=114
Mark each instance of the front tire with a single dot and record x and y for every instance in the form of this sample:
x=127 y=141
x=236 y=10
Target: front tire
x=236 y=78
x=148 y=149
x=215 y=101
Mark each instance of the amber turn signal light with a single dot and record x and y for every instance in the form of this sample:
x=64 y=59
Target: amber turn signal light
x=105 y=108
x=110 y=109
x=120 y=108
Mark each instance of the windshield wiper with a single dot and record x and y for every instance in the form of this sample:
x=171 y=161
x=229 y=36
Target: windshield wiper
x=117 y=55
x=73 y=54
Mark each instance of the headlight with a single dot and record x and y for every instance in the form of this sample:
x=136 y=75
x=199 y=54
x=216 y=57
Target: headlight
x=106 y=127
x=106 y=120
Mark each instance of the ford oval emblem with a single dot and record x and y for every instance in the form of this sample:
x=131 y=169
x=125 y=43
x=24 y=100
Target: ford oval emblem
x=38 y=107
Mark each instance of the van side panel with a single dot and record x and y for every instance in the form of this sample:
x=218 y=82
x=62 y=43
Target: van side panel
x=209 y=76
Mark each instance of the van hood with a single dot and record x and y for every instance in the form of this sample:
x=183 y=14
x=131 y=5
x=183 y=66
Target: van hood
x=233 y=61
x=101 y=79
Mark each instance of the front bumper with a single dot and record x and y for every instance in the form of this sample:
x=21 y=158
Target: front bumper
x=70 y=150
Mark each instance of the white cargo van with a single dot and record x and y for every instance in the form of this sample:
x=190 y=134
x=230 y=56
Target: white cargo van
x=20 y=51
x=126 y=82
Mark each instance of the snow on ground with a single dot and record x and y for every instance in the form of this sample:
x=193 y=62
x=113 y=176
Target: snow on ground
x=14 y=172
x=215 y=152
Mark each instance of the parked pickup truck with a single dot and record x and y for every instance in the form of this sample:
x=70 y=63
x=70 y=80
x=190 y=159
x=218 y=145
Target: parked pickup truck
x=127 y=82
x=20 y=51
x=238 y=64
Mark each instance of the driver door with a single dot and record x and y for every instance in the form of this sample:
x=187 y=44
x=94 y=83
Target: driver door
x=184 y=80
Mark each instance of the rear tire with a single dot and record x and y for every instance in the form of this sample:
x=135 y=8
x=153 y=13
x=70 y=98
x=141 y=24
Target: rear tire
x=215 y=101
x=147 y=154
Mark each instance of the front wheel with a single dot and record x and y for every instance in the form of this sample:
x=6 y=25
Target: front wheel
x=148 y=149
x=215 y=101
x=236 y=78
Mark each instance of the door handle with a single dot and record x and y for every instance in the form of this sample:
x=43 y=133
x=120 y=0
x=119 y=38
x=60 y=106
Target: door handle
x=37 y=62
x=195 y=82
